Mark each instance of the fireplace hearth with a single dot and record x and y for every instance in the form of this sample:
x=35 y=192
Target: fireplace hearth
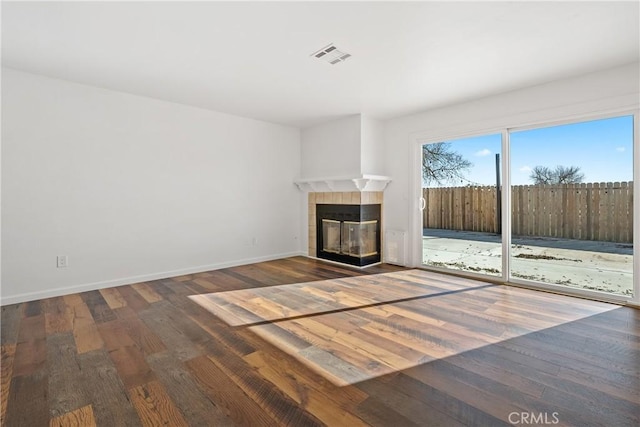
x=348 y=233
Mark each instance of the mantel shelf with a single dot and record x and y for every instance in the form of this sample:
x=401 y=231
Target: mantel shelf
x=339 y=184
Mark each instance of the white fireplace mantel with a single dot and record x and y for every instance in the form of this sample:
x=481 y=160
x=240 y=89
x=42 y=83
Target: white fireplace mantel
x=335 y=184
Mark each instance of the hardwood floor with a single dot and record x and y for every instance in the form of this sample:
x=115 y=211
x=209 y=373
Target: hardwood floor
x=146 y=354
x=353 y=329
x=274 y=303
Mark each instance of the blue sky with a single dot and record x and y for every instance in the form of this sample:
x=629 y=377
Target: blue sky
x=603 y=149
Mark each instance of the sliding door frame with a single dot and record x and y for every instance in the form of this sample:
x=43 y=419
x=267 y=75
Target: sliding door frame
x=506 y=206
x=415 y=203
x=416 y=141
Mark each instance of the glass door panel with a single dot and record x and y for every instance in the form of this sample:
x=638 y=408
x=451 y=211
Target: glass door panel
x=572 y=205
x=462 y=214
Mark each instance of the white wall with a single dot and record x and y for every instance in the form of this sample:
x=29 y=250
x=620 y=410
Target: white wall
x=372 y=149
x=331 y=149
x=132 y=188
x=347 y=147
x=608 y=91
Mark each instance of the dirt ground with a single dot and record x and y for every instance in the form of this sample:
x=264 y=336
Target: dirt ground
x=601 y=266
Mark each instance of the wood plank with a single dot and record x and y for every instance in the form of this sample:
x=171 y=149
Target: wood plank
x=147 y=292
x=113 y=298
x=58 y=316
x=335 y=367
x=66 y=392
x=126 y=356
x=581 y=226
x=222 y=389
x=31 y=353
x=196 y=408
x=619 y=212
x=442 y=397
x=27 y=370
x=144 y=338
x=109 y=399
x=584 y=412
x=495 y=406
x=195 y=288
x=377 y=412
x=162 y=289
x=629 y=205
x=7 y=352
x=100 y=311
x=204 y=284
x=9 y=327
x=164 y=321
x=501 y=371
x=27 y=403
x=154 y=406
x=133 y=298
x=309 y=390
x=32 y=308
x=394 y=403
x=81 y=417
x=597 y=211
x=279 y=406
x=85 y=331
x=580 y=385
x=232 y=339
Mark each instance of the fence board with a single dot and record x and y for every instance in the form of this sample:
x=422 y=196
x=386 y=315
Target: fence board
x=618 y=211
x=580 y=206
x=607 y=224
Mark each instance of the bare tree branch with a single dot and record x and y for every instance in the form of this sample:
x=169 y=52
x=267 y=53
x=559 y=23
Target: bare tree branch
x=440 y=164
x=558 y=175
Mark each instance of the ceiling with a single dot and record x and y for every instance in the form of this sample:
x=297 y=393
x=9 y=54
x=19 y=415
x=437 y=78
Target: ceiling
x=253 y=58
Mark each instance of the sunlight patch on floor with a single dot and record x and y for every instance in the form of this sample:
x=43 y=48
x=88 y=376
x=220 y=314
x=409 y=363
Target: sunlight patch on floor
x=367 y=334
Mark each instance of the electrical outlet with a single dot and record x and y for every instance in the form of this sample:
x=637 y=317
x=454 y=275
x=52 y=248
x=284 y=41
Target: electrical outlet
x=62 y=261
x=254 y=241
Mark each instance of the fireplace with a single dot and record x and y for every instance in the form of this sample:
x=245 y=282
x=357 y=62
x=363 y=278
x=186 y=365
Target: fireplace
x=348 y=233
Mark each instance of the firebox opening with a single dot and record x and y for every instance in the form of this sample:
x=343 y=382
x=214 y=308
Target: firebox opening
x=349 y=233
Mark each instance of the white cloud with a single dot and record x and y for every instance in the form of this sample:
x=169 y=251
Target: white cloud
x=620 y=149
x=525 y=168
x=484 y=152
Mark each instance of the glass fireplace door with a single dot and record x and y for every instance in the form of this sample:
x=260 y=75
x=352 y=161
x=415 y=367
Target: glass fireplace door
x=349 y=234
x=359 y=238
x=352 y=238
x=331 y=236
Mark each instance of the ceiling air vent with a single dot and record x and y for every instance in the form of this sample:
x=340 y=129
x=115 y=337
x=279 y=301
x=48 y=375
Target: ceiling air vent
x=331 y=54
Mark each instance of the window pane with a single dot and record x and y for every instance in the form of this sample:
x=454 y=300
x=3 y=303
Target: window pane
x=461 y=219
x=572 y=205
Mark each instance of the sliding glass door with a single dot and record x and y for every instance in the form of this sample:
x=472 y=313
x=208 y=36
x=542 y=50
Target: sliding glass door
x=572 y=205
x=461 y=216
x=569 y=206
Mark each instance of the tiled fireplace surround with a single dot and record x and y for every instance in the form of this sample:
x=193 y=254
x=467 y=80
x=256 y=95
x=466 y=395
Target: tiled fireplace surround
x=339 y=198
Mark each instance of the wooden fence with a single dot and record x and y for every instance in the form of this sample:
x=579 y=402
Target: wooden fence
x=594 y=211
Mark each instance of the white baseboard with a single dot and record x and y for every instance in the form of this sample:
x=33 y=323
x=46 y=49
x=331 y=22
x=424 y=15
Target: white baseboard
x=48 y=293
